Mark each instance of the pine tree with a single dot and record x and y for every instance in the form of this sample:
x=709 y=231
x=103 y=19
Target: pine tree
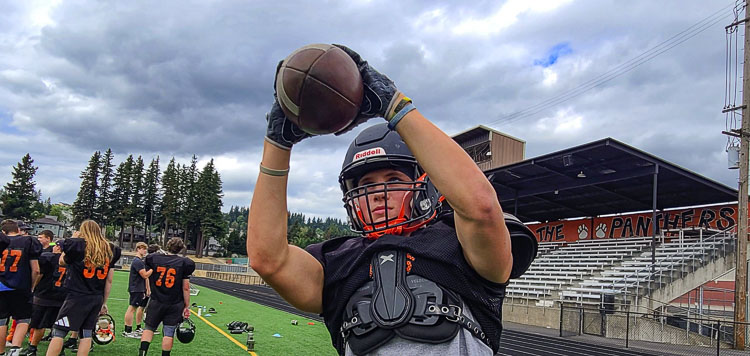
x=151 y=194
x=190 y=216
x=135 y=210
x=19 y=197
x=121 y=195
x=103 y=202
x=85 y=203
x=208 y=199
x=170 y=201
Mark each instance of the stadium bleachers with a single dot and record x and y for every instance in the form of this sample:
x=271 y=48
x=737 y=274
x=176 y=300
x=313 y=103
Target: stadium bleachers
x=580 y=272
x=560 y=265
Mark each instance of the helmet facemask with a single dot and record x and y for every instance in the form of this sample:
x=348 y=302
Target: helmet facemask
x=417 y=207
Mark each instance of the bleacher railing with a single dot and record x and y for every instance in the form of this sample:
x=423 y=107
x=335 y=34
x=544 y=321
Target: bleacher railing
x=722 y=243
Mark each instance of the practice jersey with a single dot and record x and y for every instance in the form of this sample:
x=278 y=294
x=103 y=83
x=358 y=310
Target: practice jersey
x=84 y=278
x=166 y=280
x=15 y=267
x=137 y=284
x=52 y=285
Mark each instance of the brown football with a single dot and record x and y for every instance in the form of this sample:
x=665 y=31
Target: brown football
x=319 y=88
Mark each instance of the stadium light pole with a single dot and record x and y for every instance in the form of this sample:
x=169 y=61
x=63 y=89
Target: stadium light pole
x=740 y=279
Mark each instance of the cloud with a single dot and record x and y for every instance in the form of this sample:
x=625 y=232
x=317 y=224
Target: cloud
x=177 y=78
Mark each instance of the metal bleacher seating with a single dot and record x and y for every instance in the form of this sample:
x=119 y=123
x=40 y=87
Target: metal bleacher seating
x=560 y=265
x=674 y=256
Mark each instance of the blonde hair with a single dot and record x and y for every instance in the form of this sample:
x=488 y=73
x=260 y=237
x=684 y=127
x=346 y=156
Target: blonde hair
x=98 y=252
x=141 y=245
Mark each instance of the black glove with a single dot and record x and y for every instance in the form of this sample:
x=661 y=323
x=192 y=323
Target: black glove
x=281 y=132
x=379 y=92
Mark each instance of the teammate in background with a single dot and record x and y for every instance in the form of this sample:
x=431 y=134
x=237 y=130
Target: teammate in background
x=139 y=291
x=154 y=248
x=89 y=260
x=45 y=238
x=49 y=295
x=19 y=270
x=170 y=294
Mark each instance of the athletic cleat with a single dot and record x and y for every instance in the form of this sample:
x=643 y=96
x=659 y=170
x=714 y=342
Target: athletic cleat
x=132 y=334
x=28 y=352
x=71 y=344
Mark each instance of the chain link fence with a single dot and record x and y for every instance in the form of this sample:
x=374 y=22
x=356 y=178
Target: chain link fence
x=660 y=333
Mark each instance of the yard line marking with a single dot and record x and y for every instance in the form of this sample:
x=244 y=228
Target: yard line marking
x=244 y=347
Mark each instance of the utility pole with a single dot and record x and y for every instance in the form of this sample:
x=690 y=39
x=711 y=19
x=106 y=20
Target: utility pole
x=740 y=279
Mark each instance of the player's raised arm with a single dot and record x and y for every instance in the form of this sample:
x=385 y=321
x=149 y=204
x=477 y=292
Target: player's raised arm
x=480 y=225
x=292 y=272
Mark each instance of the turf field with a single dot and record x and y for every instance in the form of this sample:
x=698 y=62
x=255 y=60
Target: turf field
x=302 y=339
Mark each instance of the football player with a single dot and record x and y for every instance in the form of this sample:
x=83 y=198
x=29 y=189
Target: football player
x=170 y=294
x=139 y=291
x=89 y=259
x=49 y=295
x=19 y=269
x=45 y=238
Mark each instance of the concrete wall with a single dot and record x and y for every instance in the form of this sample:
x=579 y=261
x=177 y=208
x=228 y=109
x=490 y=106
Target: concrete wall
x=533 y=315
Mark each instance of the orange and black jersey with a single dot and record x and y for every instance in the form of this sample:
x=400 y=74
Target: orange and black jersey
x=166 y=280
x=15 y=270
x=83 y=278
x=52 y=284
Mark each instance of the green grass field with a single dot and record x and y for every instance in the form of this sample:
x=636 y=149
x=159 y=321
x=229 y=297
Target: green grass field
x=302 y=339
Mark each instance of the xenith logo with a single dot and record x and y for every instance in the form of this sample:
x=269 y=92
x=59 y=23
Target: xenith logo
x=377 y=151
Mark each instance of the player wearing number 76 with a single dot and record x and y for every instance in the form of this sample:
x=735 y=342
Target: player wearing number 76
x=170 y=294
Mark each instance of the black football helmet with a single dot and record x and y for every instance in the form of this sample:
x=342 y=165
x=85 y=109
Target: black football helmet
x=378 y=147
x=185 y=331
x=104 y=333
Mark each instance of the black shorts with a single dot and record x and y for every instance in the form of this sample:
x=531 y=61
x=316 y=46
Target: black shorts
x=138 y=299
x=79 y=312
x=43 y=317
x=169 y=314
x=16 y=304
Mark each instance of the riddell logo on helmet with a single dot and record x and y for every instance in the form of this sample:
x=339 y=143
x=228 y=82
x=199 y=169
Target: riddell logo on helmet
x=377 y=151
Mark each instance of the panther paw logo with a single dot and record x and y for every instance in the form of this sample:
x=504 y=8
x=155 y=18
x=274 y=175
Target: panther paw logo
x=583 y=232
x=601 y=231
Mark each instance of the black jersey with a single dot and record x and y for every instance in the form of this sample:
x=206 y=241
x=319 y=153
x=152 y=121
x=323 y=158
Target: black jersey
x=4 y=241
x=84 y=278
x=52 y=285
x=166 y=280
x=15 y=267
x=137 y=283
x=47 y=249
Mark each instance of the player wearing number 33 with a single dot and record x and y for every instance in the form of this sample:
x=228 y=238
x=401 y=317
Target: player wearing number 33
x=89 y=259
x=170 y=294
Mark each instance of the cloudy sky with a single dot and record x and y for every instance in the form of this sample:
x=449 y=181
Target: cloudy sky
x=177 y=78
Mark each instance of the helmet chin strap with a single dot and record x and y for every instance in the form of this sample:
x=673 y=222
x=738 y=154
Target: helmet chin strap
x=370 y=234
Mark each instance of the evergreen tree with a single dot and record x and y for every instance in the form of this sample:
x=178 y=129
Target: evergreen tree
x=84 y=207
x=208 y=202
x=121 y=195
x=151 y=194
x=135 y=209
x=19 y=197
x=103 y=201
x=170 y=201
x=190 y=214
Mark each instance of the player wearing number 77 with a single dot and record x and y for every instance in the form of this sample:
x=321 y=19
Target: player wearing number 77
x=19 y=267
x=89 y=259
x=170 y=294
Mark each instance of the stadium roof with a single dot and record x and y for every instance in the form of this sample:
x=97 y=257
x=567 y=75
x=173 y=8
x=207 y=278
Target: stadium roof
x=599 y=178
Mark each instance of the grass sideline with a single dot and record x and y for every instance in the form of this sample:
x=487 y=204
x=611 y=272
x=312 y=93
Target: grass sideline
x=302 y=339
